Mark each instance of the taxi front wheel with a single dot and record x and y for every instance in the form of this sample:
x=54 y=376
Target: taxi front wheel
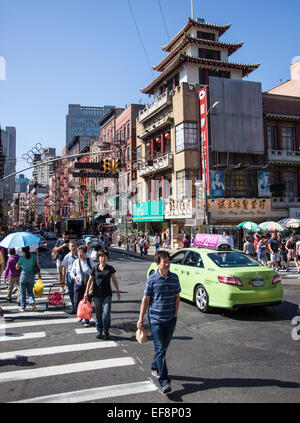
x=201 y=299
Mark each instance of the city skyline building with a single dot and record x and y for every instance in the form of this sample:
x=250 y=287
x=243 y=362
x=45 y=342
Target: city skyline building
x=83 y=121
x=8 y=137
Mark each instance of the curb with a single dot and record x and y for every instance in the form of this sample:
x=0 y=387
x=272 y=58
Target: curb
x=148 y=257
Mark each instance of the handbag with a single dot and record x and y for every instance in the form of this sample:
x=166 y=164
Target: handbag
x=141 y=335
x=84 y=310
x=54 y=255
x=38 y=289
x=36 y=268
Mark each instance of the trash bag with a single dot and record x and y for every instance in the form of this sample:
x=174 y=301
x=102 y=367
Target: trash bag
x=84 y=310
x=38 y=289
x=141 y=335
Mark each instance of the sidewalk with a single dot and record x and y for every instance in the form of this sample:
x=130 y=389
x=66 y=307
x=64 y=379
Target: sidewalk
x=123 y=250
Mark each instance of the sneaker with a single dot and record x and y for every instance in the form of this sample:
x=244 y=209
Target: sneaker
x=106 y=336
x=99 y=336
x=21 y=309
x=166 y=389
x=154 y=373
x=86 y=325
x=79 y=320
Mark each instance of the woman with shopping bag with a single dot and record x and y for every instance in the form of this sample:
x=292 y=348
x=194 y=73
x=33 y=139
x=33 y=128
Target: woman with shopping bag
x=81 y=270
x=100 y=282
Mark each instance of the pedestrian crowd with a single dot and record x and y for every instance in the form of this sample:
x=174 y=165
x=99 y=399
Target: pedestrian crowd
x=273 y=250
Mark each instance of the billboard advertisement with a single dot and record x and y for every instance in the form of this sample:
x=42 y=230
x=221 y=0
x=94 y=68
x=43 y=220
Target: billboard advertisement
x=264 y=186
x=204 y=136
x=217 y=183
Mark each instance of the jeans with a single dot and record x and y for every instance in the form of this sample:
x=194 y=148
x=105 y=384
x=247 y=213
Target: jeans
x=102 y=311
x=26 y=286
x=162 y=334
x=71 y=282
x=156 y=247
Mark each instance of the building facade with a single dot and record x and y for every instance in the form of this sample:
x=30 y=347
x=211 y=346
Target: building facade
x=8 y=138
x=83 y=121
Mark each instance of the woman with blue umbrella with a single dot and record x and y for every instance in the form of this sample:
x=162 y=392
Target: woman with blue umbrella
x=27 y=263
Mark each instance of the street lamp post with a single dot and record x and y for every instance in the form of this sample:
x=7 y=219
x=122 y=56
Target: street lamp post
x=204 y=164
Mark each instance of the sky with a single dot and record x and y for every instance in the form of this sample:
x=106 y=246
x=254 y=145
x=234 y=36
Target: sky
x=99 y=52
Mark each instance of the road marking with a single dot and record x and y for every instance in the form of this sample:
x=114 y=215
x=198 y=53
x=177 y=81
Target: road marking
x=21 y=336
x=57 y=350
x=95 y=394
x=38 y=323
x=65 y=369
x=33 y=314
x=87 y=330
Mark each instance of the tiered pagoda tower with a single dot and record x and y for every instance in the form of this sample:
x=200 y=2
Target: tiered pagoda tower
x=196 y=53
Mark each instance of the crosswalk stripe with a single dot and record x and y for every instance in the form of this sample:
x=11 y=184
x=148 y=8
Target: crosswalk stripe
x=86 y=330
x=33 y=314
x=95 y=394
x=22 y=336
x=57 y=349
x=38 y=323
x=65 y=369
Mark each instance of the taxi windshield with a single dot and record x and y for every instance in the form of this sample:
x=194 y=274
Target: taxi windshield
x=232 y=259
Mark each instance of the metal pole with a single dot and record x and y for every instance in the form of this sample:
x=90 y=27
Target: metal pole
x=55 y=160
x=192 y=9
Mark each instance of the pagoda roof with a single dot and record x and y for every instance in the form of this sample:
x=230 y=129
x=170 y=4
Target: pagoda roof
x=183 y=58
x=202 y=25
x=186 y=40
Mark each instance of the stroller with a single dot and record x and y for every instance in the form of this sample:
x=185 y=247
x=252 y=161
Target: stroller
x=56 y=296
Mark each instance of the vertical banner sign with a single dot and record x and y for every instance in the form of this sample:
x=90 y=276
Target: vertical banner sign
x=204 y=137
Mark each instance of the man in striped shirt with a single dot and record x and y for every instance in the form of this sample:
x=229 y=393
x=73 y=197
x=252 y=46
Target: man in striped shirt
x=161 y=298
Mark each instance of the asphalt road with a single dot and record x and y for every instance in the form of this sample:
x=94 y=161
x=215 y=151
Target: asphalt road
x=243 y=356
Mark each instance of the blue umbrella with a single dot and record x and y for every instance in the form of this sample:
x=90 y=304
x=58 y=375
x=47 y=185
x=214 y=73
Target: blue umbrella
x=19 y=240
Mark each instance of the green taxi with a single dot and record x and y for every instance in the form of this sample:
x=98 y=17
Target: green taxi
x=223 y=277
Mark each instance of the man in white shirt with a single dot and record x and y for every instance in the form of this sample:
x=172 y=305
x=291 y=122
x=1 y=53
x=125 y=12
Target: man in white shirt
x=67 y=265
x=229 y=238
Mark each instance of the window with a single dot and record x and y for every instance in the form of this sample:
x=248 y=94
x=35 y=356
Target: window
x=240 y=183
x=177 y=257
x=138 y=154
x=202 y=79
x=206 y=35
x=288 y=138
x=193 y=259
x=185 y=183
x=187 y=136
x=290 y=182
x=271 y=137
x=232 y=259
x=128 y=130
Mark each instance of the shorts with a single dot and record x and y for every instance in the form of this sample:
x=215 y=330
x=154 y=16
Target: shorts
x=275 y=257
x=291 y=256
x=58 y=266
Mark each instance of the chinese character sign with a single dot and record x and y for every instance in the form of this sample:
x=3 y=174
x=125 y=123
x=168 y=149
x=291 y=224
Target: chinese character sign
x=204 y=136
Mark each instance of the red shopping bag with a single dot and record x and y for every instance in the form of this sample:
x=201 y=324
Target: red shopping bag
x=84 y=310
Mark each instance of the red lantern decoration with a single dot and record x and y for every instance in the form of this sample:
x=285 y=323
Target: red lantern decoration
x=158 y=140
x=168 y=135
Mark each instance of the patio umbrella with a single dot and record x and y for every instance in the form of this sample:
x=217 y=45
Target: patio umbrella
x=19 y=240
x=290 y=223
x=249 y=226
x=272 y=226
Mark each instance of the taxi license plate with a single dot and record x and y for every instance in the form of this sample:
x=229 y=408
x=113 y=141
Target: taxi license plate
x=258 y=282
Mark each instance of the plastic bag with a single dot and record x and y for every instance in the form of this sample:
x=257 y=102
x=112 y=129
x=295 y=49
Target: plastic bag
x=38 y=289
x=84 y=310
x=141 y=335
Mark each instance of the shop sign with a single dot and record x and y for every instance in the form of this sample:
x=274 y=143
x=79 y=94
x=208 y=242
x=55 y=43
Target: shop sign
x=149 y=211
x=233 y=209
x=178 y=209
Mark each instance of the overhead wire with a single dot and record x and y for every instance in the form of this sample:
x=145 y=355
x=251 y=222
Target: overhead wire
x=163 y=18
x=139 y=36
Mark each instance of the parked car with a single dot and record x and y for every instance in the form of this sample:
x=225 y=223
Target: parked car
x=49 y=235
x=95 y=243
x=227 y=279
x=43 y=244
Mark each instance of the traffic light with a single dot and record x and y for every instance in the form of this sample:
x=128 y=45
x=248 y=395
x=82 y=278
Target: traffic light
x=107 y=165
x=116 y=166
x=85 y=200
